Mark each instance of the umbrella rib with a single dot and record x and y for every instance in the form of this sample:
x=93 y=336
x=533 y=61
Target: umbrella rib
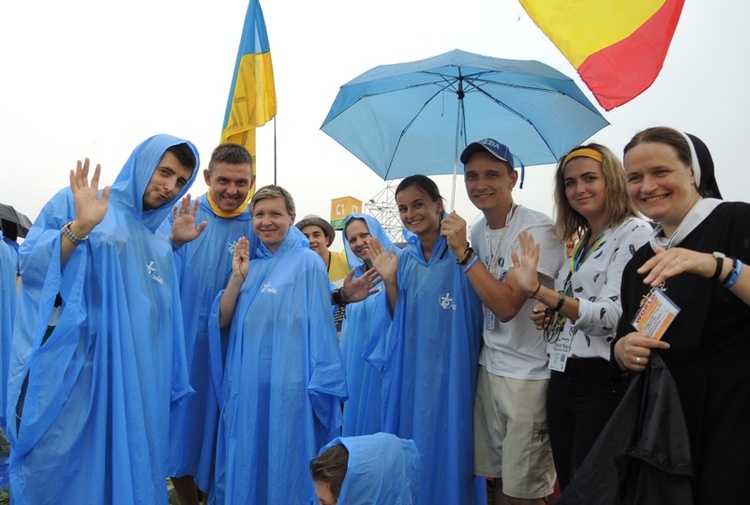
x=513 y=111
x=411 y=121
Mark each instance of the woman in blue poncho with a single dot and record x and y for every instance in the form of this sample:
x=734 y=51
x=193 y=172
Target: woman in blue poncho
x=282 y=385
x=363 y=323
x=378 y=469
x=429 y=356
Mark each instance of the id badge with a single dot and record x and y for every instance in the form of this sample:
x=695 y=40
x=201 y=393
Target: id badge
x=489 y=320
x=559 y=356
x=656 y=314
x=558 y=360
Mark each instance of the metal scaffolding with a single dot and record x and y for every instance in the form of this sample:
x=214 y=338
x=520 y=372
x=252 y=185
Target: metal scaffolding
x=383 y=208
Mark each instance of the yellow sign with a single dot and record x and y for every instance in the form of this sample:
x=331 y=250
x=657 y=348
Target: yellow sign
x=342 y=207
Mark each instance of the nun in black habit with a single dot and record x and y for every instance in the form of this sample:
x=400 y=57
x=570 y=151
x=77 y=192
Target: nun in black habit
x=697 y=258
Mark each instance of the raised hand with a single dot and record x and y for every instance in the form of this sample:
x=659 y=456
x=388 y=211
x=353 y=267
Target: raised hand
x=524 y=266
x=356 y=290
x=90 y=211
x=385 y=262
x=240 y=268
x=241 y=259
x=183 y=222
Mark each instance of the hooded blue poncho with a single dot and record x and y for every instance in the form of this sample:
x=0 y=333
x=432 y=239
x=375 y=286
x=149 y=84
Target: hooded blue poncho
x=8 y=297
x=429 y=362
x=283 y=382
x=96 y=391
x=382 y=470
x=204 y=267
x=364 y=323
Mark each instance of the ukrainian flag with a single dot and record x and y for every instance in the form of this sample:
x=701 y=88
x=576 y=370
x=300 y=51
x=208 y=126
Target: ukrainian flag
x=252 y=97
x=618 y=47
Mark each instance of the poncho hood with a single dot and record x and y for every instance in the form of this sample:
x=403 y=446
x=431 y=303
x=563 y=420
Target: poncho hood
x=131 y=182
x=376 y=231
x=382 y=469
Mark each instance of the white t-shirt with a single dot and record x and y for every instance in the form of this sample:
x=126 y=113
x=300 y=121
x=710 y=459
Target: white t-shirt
x=516 y=349
x=596 y=284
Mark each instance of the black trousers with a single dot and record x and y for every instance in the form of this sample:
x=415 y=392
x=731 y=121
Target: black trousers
x=579 y=404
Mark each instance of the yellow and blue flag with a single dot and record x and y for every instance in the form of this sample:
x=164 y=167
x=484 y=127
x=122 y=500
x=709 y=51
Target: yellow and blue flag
x=252 y=97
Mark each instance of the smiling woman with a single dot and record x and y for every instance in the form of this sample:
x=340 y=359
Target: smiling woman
x=272 y=216
x=429 y=359
x=579 y=316
x=696 y=258
x=283 y=383
x=365 y=323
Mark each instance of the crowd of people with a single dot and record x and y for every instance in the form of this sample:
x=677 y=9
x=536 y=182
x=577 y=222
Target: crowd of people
x=220 y=343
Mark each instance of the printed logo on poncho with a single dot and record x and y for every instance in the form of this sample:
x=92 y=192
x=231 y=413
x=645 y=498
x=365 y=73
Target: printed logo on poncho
x=230 y=247
x=267 y=287
x=447 y=302
x=151 y=271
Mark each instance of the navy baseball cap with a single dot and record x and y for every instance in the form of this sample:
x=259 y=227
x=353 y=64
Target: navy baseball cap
x=492 y=146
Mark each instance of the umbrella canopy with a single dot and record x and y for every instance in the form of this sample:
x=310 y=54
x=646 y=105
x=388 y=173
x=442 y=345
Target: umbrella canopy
x=416 y=117
x=13 y=220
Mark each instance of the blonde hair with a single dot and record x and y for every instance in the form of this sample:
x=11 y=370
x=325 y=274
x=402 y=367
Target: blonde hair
x=273 y=192
x=617 y=206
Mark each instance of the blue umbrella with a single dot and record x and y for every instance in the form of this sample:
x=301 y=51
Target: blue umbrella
x=416 y=117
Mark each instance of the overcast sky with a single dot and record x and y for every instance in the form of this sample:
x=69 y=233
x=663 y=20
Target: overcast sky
x=91 y=78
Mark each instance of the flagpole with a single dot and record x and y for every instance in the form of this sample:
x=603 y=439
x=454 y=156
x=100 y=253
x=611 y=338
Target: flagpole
x=274 y=150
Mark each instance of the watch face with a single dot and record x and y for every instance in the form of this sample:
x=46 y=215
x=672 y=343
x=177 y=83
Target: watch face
x=717 y=255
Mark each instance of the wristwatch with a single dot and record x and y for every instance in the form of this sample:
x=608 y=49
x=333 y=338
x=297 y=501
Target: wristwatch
x=719 y=263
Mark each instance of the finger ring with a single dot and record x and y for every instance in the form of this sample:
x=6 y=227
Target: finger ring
x=638 y=360
x=535 y=310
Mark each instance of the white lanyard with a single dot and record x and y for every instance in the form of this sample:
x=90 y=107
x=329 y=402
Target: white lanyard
x=494 y=257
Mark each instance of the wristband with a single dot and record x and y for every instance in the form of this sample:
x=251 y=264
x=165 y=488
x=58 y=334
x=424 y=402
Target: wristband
x=336 y=298
x=734 y=274
x=471 y=263
x=560 y=303
x=73 y=238
x=719 y=264
x=469 y=254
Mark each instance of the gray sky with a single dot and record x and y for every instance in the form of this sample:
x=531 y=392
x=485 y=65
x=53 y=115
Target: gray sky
x=91 y=78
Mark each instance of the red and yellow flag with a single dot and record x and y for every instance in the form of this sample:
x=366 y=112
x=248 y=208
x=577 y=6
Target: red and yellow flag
x=618 y=47
x=252 y=97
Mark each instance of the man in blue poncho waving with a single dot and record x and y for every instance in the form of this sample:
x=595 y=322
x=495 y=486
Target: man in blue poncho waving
x=98 y=349
x=204 y=266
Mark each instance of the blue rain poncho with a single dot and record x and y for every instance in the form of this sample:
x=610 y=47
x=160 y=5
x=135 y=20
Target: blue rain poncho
x=8 y=297
x=98 y=390
x=364 y=323
x=283 y=382
x=429 y=362
x=204 y=267
x=382 y=470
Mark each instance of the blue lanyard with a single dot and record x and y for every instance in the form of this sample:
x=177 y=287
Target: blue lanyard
x=581 y=252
